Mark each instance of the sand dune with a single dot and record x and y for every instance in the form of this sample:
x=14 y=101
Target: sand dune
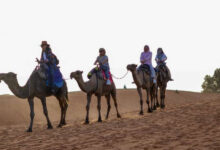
x=190 y=121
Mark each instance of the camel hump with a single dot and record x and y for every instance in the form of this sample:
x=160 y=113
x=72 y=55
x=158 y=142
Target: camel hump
x=41 y=73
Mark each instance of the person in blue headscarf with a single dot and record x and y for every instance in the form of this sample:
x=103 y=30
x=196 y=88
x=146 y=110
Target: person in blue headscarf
x=49 y=63
x=161 y=60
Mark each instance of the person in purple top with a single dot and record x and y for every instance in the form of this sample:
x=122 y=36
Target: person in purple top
x=146 y=59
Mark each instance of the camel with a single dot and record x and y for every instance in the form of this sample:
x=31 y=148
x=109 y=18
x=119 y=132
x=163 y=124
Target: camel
x=143 y=81
x=96 y=86
x=162 y=81
x=36 y=87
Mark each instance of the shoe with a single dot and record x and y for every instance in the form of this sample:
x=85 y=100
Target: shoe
x=108 y=82
x=170 y=79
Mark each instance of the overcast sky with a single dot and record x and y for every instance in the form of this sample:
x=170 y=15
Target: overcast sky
x=187 y=30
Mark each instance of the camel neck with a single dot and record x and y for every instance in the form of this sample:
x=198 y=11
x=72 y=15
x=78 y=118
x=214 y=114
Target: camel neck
x=17 y=90
x=136 y=78
x=86 y=87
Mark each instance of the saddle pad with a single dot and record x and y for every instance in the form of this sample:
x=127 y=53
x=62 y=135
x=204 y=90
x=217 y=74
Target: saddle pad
x=110 y=75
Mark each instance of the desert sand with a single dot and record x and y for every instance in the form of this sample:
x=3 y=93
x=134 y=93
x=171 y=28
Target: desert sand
x=190 y=121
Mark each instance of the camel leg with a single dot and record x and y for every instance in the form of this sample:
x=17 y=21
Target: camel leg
x=147 y=101
x=162 y=96
x=99 y=108
x=154 y=97
x=158 y=105
x=65 y=106
x=87 y=108
x=31 y=104
x=115 y=103
x=109 y=106
x=151 y=98
x=62 y=112
x=43 y=101
x=141 y=100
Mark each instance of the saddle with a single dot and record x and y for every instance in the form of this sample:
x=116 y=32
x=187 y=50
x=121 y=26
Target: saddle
x=145 y=68
x=100 y=74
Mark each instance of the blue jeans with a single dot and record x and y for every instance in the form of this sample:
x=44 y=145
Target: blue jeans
x=106 y=70
x=153 y=74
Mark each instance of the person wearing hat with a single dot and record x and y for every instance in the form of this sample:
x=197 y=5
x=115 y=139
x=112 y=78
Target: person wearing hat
x=161 y=60
x=102 y=59
x=49 y=63
x=146 y=59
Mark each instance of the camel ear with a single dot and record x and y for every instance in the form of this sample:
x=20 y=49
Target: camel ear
x=81 y=72
x=135 y=65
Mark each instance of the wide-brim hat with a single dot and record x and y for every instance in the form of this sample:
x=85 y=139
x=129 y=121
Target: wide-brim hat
x=44 y=43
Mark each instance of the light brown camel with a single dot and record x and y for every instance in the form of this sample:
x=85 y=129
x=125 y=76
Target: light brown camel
x=36 y=87
x=162 y=80
x=143 y=81
x=98 y=87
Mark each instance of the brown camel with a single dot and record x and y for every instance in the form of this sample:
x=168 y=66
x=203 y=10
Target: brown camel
x=162 y=80
x=36 y=87
x=98 y=87
x=143 y=81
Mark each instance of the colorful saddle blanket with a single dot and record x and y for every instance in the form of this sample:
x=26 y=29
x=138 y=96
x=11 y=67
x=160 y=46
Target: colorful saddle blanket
x=100 y=73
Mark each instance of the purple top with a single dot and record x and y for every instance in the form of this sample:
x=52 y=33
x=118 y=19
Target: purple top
x=146 y=57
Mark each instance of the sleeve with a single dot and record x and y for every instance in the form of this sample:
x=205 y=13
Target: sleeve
x=164 y=58
x=142 y=57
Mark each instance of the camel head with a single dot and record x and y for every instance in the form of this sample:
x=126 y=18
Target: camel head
x=76 y=75
x=7 y=77
x=131 y=67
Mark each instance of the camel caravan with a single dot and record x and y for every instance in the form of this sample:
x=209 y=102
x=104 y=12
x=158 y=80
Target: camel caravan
x=46 y=80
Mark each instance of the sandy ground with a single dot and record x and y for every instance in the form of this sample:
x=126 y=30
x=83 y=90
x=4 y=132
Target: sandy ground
x=190 y=121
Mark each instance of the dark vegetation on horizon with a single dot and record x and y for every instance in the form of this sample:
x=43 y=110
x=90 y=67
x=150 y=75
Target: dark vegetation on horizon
x=211 y=84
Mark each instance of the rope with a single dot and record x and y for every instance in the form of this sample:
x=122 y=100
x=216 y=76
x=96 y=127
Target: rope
x=120 y=77
x=66 y=79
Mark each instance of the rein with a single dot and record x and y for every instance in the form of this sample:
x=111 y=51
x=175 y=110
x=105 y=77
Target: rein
x=119 y=78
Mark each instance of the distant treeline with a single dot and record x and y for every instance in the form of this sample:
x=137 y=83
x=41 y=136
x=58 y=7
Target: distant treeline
x=212 y=83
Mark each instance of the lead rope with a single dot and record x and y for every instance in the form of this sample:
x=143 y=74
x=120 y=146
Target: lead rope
x=120 y=77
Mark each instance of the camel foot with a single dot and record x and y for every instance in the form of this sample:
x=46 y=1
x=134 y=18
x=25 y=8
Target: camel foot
x=99 y=120
x=158 y=105
x=150 y=110
x=29 y=130
x=162 y=106
x=86 y=122
x=155 y=108
x=141 y=113
x=59 y=126
x=49 y=127
x=106 y=118
x=118 y=115
x=64 y=123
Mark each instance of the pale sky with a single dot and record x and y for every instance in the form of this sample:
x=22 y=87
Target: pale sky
x=187 y=30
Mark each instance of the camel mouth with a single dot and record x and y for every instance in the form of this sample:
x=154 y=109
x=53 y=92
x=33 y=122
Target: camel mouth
x=71 y=76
